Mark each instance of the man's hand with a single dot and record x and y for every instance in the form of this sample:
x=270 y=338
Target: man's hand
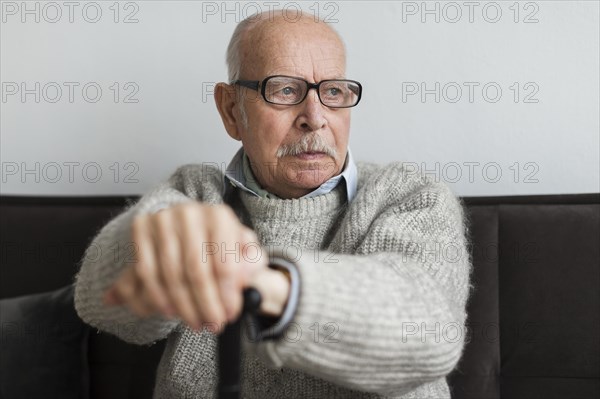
x=194 y=261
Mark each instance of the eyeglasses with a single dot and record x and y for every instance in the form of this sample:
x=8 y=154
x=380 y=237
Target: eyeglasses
x=289 y=90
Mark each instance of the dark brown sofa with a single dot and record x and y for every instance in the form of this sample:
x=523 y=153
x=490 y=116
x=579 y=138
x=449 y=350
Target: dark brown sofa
x=534 y=325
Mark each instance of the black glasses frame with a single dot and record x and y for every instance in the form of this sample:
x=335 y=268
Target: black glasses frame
x=256 y=84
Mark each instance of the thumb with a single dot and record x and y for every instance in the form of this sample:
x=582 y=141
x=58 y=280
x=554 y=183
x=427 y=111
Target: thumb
x=255 y=260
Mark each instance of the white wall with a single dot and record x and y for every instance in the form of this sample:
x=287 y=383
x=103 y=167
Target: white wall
x=544 y=142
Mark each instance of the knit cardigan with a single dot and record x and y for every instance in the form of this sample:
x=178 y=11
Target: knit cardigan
x=384 y=282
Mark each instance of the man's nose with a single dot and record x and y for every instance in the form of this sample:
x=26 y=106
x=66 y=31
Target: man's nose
x=312 y=117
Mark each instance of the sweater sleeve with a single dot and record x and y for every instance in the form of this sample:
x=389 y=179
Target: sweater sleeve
x=387 y=314
x=103 y=262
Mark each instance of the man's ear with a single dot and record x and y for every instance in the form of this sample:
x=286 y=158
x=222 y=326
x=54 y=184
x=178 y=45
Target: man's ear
x=225 y=99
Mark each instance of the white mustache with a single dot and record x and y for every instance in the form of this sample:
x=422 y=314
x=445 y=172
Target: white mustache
x=308 y=143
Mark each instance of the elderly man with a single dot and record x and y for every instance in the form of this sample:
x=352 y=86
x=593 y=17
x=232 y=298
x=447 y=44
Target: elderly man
x=362 y=268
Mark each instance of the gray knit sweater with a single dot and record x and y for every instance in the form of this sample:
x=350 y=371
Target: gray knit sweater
x=381 y=311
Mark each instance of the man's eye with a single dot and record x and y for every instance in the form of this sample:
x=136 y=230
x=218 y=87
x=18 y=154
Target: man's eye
x=288 y=91
x=332 y=92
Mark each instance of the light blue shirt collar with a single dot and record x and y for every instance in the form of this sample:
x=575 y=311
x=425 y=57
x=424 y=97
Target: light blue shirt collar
x=234 y=177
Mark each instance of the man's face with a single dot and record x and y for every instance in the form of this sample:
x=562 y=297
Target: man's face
x=312 y=52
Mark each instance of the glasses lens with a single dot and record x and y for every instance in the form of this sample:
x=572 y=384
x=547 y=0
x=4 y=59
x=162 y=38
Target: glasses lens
x=284 y=90
x=339 y=93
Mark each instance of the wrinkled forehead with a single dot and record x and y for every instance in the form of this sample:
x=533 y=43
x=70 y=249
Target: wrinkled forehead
x=309 y=50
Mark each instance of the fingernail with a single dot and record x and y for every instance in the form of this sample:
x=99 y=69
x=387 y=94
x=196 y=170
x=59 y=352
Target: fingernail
x=169 y=311
x=227 y=317
x=218 y=328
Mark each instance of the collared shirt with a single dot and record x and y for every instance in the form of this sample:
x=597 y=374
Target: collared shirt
x=239 y=174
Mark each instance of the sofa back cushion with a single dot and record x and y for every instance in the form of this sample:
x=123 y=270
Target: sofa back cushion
x=533 y=320
x=533 y=316
x=44 y=347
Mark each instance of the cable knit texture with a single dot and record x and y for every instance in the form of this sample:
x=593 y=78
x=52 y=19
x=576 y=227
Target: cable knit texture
x=384 y=285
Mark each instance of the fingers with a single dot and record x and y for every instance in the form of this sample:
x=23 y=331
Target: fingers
x=126 y=291
x=252 y=254
x=227 y=263
x=193 y=262
x=138 y=287
x=168 y=251
x=197 y=268
x=146 y=268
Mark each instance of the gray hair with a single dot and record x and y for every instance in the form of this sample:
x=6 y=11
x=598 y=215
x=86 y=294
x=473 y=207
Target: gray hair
x=233 y=57
x=307 y=143
x=234 y=50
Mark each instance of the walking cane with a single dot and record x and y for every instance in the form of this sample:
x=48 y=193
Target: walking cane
x=229 y=341
x=230 y=346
